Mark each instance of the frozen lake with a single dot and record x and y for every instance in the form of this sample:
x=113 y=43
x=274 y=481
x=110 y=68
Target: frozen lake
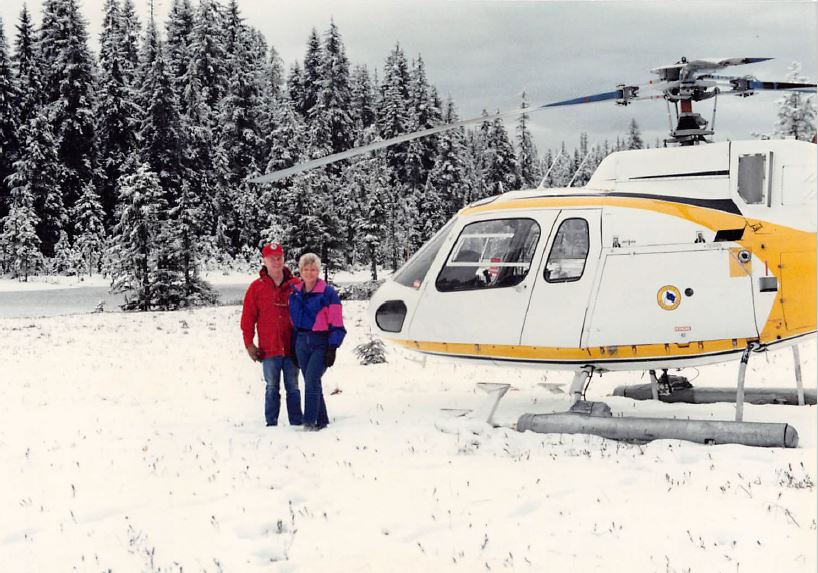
x=82 y=300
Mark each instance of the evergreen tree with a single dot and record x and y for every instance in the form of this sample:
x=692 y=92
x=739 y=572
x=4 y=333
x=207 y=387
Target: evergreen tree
x=179 y=28
x=19 y=241
x=287 y=138
x=561 y=169
x=9 y=113
x=501 y=166
x=27 y=69
x=240 y=116
x=425 y=112
x=479 y=157
x=90 y=234
x=306 y=197
x=116 y=111
x=182 y=256
x=368 y=180
x=362 y=104
x=393 y=115
x=160 y=131
x=129 y=31
x=309 y=79
x=137 y=234
x=110 y=39
x=448 y=177
x=275 y=74
x=583 y=166
x=796 y=110
x=52 y=40
x=529 y=173
x=65 y=260
x=242 y=144
x=40 y=171
x=295 y=90
x=634 y=140
x=69 y=89
x=333 y=99
x=205 y=81
x=235 y=31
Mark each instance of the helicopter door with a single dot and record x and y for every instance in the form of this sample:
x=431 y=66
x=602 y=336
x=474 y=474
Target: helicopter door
x=480 y=294
x=565 y=280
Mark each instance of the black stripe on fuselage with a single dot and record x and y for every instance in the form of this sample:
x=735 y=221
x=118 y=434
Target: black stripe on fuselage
x=726 y=205
x=693 y=174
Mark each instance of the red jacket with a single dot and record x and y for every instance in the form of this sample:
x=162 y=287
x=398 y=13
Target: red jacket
x=266 y=309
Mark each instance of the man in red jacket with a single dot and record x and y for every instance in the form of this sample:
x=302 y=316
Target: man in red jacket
x=266 y=310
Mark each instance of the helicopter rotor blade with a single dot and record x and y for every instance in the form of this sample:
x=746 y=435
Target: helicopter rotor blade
x=785 y=86
x=623 y=95
x=748 y=85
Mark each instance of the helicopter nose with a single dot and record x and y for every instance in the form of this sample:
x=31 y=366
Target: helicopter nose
x=390 y=309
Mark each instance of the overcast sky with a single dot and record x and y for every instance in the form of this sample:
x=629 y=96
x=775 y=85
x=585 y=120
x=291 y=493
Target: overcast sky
x=485 y=53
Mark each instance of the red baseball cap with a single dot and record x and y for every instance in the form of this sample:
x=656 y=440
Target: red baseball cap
x=272 y=249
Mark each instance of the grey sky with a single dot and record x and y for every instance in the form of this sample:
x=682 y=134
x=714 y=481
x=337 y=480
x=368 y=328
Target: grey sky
x=484 y=54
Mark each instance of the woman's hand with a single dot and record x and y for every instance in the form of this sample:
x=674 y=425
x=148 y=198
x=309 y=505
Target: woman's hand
x=329 y=359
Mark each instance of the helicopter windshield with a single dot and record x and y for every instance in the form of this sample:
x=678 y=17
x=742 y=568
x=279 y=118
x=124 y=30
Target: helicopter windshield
x=414 y=271
x=490 y=254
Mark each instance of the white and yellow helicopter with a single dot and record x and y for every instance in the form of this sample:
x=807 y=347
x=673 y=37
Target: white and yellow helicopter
x=687 y=255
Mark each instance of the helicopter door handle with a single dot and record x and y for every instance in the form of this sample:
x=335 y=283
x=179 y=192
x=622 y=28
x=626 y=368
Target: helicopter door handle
x=521 y=287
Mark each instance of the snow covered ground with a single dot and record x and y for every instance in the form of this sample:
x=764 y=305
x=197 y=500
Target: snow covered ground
x=136 y=442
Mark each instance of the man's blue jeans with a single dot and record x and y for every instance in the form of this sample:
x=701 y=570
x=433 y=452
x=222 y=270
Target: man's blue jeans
x=273 y=367
x=311 y=350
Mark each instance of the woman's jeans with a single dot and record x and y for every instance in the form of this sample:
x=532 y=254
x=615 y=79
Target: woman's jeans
x=273 y=368
x=311 y=350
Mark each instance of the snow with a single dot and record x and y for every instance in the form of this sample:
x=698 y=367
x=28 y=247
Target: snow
x=136 y=442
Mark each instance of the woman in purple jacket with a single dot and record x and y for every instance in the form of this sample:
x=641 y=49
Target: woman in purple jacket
x=318 y=330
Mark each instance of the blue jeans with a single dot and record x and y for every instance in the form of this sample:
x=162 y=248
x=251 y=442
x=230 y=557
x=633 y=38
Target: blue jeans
x=311 y=350
x=273 y=368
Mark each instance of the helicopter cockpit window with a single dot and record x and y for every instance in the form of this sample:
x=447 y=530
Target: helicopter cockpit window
x=566 y=262
x=490 y=254
x=414 y=271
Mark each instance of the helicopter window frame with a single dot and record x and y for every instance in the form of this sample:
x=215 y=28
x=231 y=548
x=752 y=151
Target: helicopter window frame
x=572 y=278
x=490 y=274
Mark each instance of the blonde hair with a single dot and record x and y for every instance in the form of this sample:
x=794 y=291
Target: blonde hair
x=309 y=259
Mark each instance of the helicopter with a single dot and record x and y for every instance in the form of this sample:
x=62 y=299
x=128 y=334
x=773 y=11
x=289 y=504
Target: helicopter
x=687 y=255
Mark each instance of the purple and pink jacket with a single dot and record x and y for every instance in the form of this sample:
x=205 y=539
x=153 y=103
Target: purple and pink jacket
x=317 y=311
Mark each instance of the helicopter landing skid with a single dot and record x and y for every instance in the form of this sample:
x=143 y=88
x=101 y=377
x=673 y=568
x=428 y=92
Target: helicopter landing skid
x=676 y=389
x=596 y=418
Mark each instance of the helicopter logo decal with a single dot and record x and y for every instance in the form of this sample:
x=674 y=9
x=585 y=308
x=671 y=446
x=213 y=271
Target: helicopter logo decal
x=669 y=297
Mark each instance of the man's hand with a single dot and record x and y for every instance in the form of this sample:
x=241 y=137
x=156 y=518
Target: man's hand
x=330 y=356
x=254 y=353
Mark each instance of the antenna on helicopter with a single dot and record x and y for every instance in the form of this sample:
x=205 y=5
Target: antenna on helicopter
x=681 y=84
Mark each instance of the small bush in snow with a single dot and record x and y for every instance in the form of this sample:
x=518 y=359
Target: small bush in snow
x=372 y=352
